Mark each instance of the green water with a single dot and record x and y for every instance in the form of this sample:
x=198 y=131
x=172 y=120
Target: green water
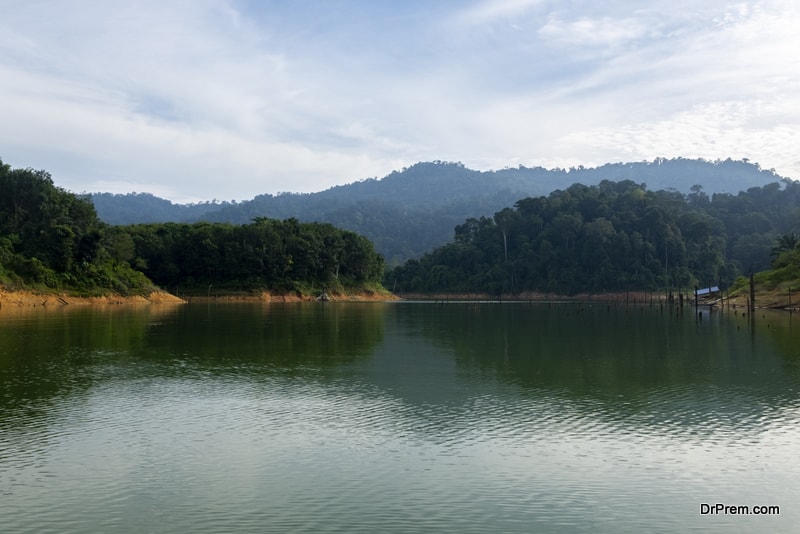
x=397 y=417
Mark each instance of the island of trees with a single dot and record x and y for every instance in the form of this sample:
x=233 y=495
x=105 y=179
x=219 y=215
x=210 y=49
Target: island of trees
x=52 y=240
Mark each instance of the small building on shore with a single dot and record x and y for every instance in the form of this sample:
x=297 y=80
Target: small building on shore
x=707 y=296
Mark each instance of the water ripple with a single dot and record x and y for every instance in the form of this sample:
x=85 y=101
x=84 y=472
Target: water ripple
x=178 y=442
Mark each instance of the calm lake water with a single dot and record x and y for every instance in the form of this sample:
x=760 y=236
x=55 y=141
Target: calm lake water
x=397 y=417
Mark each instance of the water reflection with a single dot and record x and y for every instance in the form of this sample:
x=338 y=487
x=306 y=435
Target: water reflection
x=634 y=369
x=645 y=369
x=395 y=417
x=43 y=352
x=279 y=335
x=49 y=356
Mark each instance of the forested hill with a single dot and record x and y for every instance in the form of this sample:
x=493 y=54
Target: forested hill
x=415 y=210
x=51 y=240
x=136 y=208
x=615 y=236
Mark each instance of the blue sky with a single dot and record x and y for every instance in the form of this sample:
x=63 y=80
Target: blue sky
x=200 y=99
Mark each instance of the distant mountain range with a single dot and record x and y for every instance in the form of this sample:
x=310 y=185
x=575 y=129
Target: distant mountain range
x=416 y=209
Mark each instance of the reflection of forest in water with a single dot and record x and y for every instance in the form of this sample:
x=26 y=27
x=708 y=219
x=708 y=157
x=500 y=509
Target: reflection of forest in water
x=270 y=414
x=649 y=367
x=276 y=335
x=45 y=354
x=611 y=348
x=641 y=364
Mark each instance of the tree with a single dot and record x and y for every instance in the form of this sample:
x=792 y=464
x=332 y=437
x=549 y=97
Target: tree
x=52 y=237
x=785 y=243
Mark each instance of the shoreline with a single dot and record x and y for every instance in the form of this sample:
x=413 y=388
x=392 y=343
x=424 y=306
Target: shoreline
x=33 y=299
x=765 y=300
x=631 y=297
x=18 y=299
x=279 y=297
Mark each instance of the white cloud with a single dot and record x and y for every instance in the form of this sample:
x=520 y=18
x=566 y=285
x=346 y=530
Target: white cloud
x=603 y=32
x=698 y=132
x=204 y=99
x=488 y=11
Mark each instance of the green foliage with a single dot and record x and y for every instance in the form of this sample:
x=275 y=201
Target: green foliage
x=615 y=236
x=786 y=243
x=266 y=254
x=781 y=278
x=411 y=211
x=606 y=237
x=785 y=269
x=51 y=239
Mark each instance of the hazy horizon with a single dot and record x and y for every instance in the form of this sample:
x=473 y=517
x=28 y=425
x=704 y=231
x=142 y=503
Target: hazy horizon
x=567 y=171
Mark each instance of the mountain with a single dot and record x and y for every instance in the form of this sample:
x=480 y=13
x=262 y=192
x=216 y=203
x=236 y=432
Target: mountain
x=412 y=211
x=134 y=208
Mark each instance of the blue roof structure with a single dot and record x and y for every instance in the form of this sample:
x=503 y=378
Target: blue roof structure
x=707 y=291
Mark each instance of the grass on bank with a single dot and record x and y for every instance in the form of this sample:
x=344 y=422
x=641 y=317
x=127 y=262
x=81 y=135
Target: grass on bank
x=777 y=287
x=89 y=280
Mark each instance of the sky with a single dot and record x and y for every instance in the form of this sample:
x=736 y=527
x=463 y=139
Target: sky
x=196 y=100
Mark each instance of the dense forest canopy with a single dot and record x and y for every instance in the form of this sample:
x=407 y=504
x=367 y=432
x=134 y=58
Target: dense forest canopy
x=413 y=210
x=285 y=255
x=614 y=236
x=52 y=239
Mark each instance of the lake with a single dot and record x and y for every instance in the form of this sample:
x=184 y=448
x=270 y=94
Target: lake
x=398 y=417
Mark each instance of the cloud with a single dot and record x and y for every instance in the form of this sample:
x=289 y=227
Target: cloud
x=587 y=32
x=717 y=84
x=698 y=132
x=226 y=99
x=489 y=11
